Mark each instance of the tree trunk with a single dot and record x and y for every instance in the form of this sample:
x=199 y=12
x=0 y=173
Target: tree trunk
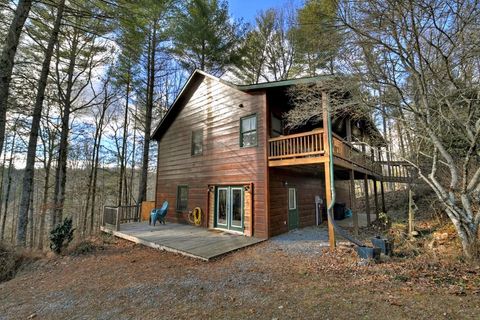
x=470 y=247
x=14 y=221
x=403 y=152
x=92 y=178
x=132 y=169
x=96 y=162
x=142 y=190
x=2 y=216
x=61 y=170
x=7 y=60
x=27 y=182
x=468 y=234
x=30 y=219
x=124 y=144
x=9 y=185
x=46 y=187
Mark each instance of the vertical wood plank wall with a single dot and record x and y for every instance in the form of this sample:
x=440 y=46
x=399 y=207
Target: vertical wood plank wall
x=307 y=187
x=215 y=108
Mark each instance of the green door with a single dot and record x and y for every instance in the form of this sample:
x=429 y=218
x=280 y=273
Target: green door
x=229 y=208
x=292 y=209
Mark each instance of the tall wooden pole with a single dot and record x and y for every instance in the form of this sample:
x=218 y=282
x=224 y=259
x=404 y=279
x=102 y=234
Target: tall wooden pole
x=352 y=203
x=328 y=182
x=367 y=199
x=375 y=193
x=382 y=191
x=411 y=214
x=352 y=182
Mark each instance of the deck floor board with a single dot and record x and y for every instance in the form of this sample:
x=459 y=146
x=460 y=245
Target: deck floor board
x=188 y=240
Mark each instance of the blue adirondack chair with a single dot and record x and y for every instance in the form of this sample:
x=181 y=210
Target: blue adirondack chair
x=159 y=214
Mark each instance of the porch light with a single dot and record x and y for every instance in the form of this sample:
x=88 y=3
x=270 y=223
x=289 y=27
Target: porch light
x=246 y=188
x=285 y=183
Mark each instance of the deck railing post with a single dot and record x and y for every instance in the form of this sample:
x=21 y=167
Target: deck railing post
x=117 y=219
x=102 y=222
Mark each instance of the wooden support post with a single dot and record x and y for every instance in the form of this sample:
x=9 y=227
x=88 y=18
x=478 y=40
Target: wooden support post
x=102 y=221
x=375 y=193
x=411 y=213
x=367 y=200
x=352 y=203
x=382 y=191
x=328 y=182
x=117 y=219
x=328 y=198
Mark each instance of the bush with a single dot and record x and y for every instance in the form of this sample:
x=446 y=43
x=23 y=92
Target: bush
x=384 y=220
x=85 y=247
x=61 y=236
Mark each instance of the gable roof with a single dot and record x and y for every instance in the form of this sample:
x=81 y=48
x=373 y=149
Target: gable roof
x=195 y=79
x=182 y=98
x=282 y=83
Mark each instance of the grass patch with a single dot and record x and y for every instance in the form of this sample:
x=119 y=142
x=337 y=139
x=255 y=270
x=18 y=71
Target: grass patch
x=86 y=246
x=11 y=261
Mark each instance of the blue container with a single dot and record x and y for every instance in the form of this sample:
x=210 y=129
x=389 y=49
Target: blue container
x=369 y=253
x=384 y=244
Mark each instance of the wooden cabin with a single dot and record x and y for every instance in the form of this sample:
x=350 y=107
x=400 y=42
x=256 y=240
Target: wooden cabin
x=224 y=148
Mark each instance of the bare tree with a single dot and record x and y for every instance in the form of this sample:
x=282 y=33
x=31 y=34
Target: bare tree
x=7 y=58
x=426 y=54
x=100 y=115
x=9 y=182
x=27 y=184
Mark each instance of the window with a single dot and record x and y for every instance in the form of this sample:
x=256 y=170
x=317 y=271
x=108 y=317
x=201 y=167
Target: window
x=276 y=127
x=292 y=199
x=182 y=198
x=248 y=131
x=197 y=142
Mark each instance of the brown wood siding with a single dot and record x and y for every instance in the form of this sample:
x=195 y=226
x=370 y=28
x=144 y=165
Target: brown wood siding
x=308 y=187
x=213 y=107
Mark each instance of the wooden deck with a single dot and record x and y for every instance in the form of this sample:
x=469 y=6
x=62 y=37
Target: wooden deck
x=187 y=240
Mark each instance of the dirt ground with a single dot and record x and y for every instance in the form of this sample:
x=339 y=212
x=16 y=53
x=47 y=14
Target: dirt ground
x=120 y=280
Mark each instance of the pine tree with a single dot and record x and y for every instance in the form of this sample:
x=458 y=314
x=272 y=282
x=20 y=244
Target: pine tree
x=205 y=38
x=318 y=40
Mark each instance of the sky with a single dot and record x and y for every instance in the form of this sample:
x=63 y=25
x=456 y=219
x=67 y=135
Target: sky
x=247 y=9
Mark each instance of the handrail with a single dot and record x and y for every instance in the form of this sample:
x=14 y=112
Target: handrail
x=299 y=145
x=120 y=214
x=310 y=145
x=296 y=135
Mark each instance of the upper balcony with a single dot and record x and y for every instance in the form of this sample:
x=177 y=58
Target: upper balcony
x=308 y=148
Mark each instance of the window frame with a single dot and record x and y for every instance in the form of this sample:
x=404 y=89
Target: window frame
x=242 y=133
x=178 y=200
x=192 y=146
x=292 y=205
x=274 y=133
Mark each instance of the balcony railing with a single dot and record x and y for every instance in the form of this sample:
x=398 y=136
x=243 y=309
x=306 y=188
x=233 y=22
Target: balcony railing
x=308 y=148
x=294 y=146
x=355 y=154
